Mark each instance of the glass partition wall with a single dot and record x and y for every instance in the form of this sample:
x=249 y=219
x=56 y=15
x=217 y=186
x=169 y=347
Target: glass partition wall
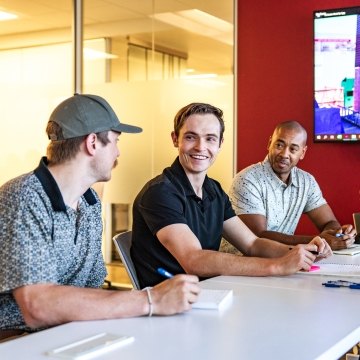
x=147 y=58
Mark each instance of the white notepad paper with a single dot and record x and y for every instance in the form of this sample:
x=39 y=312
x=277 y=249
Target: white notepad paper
x=335 y=270
x=352 y=250
x=213 y=299
x=90 y=347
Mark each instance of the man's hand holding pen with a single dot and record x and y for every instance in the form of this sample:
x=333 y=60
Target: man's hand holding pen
x=320 y=248
x=305 y=255
x=342 y=238
x=175 y=295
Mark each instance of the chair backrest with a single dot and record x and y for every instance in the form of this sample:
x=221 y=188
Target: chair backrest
x=122 y=243
x=356 y=217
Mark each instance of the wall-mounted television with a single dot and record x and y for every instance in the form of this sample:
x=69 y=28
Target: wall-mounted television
x=337 y=75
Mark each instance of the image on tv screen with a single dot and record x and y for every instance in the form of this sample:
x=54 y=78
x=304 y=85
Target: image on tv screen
x=337 y=75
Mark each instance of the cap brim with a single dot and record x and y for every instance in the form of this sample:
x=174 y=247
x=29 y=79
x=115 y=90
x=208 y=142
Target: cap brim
x=127 y=128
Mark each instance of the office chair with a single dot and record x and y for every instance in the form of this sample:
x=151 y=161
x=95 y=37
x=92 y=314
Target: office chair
x=356 y=217
x=122 y=243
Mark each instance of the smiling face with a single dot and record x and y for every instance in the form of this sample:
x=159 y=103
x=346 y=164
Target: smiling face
x=286 y=147
x=198 y=143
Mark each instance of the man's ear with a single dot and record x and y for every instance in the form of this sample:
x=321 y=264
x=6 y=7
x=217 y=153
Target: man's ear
x=303 y=152
x=174 y=139
x=90 y=143
x=268 y=145
x=221 y=142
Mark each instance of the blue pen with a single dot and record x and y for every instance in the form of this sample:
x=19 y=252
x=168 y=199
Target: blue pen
x=164 y=273
x=331 y=285
x=342 y=283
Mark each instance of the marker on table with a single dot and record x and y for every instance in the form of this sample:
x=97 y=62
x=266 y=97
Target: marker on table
x=164 y=273
x=312 y=251
x=317 y=253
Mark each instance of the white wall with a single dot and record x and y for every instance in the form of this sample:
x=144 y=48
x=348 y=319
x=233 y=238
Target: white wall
x=33 y=81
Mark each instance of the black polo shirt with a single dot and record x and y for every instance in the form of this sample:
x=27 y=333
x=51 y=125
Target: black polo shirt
x=170 y=199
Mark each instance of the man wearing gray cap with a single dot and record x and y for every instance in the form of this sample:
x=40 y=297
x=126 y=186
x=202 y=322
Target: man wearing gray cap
x=50 y=254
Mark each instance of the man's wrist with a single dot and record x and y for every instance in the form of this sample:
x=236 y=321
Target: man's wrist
x=149 y=300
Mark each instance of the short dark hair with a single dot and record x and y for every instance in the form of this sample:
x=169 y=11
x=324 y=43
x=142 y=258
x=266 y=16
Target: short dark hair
x=59 y=151
x=198 y=108
x=292 y=125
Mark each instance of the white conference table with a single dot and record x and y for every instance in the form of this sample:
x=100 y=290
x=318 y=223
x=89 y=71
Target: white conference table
x=292 y=317
x=342 y=259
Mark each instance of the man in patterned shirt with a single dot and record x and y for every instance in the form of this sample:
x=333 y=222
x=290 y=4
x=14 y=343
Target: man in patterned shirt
x=50 y=254
x=270 y=196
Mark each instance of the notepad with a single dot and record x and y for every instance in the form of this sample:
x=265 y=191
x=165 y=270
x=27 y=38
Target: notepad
x=213 y=299
x=352 y=250
x=90 y=347
x=336 y=270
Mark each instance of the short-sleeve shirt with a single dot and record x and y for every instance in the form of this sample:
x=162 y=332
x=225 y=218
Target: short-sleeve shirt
x=257 y=190
x=170 y=199
x=44 y=241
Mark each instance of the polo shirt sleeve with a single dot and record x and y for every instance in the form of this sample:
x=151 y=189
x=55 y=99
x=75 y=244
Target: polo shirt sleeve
x=162 y=205
x=229 y=211
x=24 y=256
x=315 y=197
x=245 y=195
x=97 y=274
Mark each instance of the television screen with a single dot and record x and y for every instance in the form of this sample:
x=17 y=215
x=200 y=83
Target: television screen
x=337 y=75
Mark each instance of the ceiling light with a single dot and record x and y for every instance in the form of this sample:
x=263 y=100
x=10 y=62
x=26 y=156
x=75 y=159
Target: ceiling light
x=198 y=22
x=7 y=16
x=184 y=23
x=207 y=20
x=91 y=54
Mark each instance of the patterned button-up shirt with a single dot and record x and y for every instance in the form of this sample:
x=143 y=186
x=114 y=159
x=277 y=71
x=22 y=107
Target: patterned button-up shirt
x=257 y=190
x=44 y=241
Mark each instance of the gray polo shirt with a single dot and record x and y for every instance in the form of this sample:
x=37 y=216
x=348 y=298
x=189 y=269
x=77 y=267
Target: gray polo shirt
x=44 y=241
x=257 y=190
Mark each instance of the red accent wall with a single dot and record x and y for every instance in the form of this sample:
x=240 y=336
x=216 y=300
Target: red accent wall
x=275 y=83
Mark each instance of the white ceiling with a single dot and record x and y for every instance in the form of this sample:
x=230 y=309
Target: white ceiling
x=48 y=21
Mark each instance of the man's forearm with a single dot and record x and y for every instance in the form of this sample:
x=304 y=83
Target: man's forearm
x=331 y=225
x=44 y=305
x=286 y=239
x=211 y=263
x=264 y=247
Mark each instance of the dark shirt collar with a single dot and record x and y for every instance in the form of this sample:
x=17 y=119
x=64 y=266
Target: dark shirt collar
x=179 y=175
x=52 y=190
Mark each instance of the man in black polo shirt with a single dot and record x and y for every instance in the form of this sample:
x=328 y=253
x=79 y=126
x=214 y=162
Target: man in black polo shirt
x=180 y=216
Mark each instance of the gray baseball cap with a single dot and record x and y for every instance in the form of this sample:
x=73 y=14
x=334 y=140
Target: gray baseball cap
x=83 y=114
